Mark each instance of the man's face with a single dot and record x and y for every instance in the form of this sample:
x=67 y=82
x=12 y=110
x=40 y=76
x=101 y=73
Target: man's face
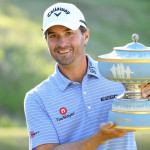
x=66 y=46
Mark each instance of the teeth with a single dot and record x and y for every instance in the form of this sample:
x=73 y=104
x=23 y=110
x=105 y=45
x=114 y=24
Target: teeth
x=62 y=52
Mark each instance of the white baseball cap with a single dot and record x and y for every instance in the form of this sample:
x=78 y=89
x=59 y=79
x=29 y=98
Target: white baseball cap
x=64 y=14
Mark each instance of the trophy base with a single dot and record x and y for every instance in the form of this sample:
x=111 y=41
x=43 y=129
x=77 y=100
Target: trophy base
x=130 y=114
x=130 y=120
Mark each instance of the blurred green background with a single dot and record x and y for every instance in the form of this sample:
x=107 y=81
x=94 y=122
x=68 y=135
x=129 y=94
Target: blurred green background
x=25 y=61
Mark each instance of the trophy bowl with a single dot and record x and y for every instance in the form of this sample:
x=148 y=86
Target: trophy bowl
x=129 y=65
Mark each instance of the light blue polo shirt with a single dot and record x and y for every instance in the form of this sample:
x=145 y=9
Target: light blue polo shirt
x=62 y=111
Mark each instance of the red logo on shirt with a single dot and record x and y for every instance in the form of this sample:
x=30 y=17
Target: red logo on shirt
x=63 y=111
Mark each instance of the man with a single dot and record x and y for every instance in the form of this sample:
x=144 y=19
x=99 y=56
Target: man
x=68 y=111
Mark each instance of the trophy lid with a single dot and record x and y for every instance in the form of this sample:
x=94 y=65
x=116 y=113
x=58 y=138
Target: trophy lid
x=134 y=45
x=133 y=53
x=128 y=64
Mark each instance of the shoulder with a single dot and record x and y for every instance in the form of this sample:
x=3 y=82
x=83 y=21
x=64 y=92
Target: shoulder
x=35 y=98
x=39 y=90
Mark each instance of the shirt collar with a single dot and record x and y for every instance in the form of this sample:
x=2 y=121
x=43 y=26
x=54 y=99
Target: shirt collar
x=64 y=82
x=61 y=80
x=92 y=67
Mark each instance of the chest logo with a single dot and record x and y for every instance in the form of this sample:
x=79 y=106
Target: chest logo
x=108 y=97
x=66 y=116
x=63 y=111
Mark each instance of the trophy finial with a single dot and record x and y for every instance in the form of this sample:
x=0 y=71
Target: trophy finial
x=135 y=38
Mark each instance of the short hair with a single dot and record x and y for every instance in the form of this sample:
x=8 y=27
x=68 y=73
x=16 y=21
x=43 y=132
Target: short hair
x=82 y=29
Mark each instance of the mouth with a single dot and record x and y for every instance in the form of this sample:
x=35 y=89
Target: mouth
x=64 y=51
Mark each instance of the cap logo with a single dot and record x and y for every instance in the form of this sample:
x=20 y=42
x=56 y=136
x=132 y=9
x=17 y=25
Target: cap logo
x=57 y=14
x=58 y=9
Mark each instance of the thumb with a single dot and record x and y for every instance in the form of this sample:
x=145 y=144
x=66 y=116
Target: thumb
x=108 y=125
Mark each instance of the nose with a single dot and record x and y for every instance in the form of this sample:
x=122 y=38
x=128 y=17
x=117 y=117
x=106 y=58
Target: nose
x=62 y=42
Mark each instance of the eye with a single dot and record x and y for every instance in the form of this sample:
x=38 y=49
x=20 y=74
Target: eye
x=52 y=36
x=69 y=33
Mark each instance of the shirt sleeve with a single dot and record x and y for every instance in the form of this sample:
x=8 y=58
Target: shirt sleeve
x=40 y=127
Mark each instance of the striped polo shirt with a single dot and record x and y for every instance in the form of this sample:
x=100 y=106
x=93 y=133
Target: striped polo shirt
x=62 y=111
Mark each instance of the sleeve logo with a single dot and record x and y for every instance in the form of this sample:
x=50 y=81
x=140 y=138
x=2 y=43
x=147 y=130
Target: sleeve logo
x=32 y=134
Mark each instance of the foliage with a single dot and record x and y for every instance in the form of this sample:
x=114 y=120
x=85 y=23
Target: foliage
x=14 y=139
x=6 y=121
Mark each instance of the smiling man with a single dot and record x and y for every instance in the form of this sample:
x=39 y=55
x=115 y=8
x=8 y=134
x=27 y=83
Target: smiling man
x=69 y=110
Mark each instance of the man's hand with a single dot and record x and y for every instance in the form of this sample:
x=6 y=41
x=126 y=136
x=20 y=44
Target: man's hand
x=145 y=90
x=108 y=132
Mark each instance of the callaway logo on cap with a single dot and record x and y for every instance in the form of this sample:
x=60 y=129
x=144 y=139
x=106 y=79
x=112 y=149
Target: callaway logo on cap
x=64 y=14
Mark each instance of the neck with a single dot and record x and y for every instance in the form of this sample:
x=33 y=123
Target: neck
x=75 y=72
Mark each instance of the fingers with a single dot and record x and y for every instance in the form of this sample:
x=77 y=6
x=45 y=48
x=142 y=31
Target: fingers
x=111 y=125
x=142 y=86
x=108 y=131
x=108 y=125
x=128 y=130
x=145 y=90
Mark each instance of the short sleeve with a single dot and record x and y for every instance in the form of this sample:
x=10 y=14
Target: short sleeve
x=40 y=127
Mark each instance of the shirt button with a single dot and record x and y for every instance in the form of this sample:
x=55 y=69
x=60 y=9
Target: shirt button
x=89 y=107
x=84 y=93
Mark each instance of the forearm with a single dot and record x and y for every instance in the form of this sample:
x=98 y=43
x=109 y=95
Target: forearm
x=89 y=143
x=105 y=133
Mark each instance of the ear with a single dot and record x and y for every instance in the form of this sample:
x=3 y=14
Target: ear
x=45 y=39
x=86 y=36
x=45 y=36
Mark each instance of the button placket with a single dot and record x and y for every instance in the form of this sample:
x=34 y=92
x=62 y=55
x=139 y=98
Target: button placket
x=85 y=95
